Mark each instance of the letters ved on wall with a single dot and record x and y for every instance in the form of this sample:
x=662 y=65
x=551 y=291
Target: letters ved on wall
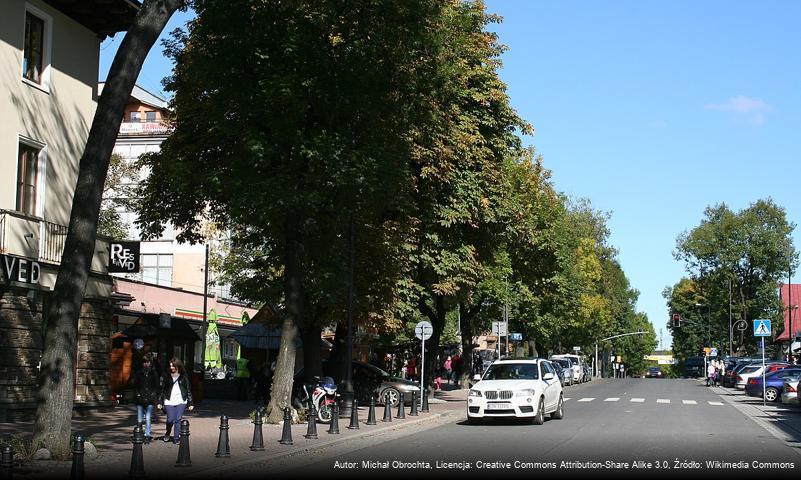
x=22 y=270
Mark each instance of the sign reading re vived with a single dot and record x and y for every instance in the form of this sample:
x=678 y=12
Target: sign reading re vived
x=123 y=257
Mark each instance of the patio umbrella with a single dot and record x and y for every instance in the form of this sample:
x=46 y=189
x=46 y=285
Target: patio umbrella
x=213 y=359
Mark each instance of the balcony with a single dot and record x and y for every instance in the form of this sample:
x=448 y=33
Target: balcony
x=36 y=239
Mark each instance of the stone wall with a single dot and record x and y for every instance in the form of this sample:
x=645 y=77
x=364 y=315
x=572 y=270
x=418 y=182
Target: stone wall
x=21 y=340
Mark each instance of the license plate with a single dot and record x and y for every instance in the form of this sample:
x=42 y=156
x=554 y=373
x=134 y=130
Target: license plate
x=498 y=406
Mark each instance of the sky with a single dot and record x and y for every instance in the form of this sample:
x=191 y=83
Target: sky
x=651 y=110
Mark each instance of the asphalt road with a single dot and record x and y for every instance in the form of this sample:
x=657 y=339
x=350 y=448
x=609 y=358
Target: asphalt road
x=634 y=427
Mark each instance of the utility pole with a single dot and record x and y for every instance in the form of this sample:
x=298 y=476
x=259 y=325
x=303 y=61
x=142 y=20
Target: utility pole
x=730 y=326
x=205 y=309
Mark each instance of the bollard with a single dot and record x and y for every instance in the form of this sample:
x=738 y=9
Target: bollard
x=424 y=408
x=223 y=449
x=311 y=433
x=333 y=429
x=77 y=471
x=286 y=435
x=354 y=416
x=413 y=412
x=371 y=412
x=7 y=463
x=258 y=439
x=183 y=459
x=401 y=408
x=387 y=410
x=137 y=460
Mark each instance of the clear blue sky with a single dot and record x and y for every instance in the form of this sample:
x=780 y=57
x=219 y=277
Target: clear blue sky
x=652 y=110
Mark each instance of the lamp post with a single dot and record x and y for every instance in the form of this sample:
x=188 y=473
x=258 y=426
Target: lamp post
x=640 y=332
x=348 y=394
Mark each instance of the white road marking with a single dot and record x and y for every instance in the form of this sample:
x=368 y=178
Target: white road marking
x=689 y=402
x=638 y=400
x=566 y=398
x=715 y=403
x=662 y=400
x=612 y=399
x=587 y=399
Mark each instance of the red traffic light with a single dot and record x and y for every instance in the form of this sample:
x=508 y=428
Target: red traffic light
x=676 y=320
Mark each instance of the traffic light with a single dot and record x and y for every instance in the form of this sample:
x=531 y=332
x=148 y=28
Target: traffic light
x=676 y=320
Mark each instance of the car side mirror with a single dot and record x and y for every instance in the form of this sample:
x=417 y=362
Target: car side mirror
x=548 y=376
x=476 y=378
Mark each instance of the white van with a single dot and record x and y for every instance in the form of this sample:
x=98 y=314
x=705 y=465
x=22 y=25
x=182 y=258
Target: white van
x=578 y=366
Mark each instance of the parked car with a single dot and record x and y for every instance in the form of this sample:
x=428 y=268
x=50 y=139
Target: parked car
x=368 y=380
x=730 y=377
x=774 y=383
x=567 y=366
x=790 y=390
x=560 y=372
x=587 y=373
x=519 y=388
x=754 y=370
x=654 y=372
x=694 y=367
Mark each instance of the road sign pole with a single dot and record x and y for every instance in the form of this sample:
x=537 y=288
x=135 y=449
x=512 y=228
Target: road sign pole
x=423 y=371
x=763 y=371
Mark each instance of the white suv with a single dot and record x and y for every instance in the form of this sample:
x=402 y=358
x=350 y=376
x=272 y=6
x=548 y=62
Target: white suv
x=525 y=388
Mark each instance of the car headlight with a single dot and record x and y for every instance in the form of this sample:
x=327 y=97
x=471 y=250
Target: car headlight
x=528 y=392
x=474 y=393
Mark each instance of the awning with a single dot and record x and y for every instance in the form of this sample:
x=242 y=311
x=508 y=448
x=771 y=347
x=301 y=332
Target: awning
x=258 y=335
x=149 y=326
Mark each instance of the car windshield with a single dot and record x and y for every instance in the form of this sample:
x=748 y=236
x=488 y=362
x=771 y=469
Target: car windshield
x=562 y=362
x=375 y=370
x=512 y=371
x=654 y=369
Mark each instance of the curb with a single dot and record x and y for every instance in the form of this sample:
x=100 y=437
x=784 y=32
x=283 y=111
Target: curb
x=319 y=446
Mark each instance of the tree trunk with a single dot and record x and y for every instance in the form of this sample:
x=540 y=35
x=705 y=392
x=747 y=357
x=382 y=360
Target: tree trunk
x=56 y=377
x=437 y=317
x=466 y=315
x=293 y=290
x=339 y=353
x=312 y=363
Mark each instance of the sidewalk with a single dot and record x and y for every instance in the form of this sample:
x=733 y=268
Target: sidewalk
x=111 y=434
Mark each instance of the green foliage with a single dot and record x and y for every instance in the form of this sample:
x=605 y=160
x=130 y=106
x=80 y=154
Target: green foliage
x=117 y=192
x=751 y=250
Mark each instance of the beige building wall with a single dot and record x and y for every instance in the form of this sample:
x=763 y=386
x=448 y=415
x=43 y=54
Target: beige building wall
x=57 y=115
x=187 y=271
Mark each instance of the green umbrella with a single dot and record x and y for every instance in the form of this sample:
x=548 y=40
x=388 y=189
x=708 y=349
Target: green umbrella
x=213 y=359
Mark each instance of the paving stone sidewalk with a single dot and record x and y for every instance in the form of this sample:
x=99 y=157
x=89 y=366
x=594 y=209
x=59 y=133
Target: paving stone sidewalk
x=111 y=433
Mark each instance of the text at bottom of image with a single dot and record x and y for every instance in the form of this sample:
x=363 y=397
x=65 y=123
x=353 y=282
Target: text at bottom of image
x=675 y=464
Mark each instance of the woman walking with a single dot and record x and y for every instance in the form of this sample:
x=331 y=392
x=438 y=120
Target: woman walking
x=146 y=389
x=177 y=397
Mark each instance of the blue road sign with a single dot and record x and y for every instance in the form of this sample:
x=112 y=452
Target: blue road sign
x=761 y=328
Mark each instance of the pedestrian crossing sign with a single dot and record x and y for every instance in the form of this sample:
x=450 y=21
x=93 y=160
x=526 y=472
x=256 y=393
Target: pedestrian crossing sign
x=761 y=328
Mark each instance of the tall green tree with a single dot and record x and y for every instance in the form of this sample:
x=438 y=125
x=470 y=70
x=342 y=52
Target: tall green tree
x=751 y=250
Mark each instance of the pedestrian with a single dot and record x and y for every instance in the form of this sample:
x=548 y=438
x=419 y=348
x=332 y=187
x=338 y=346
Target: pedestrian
x=146 y=394
x=176 y=395
x=710 y=374
x=622 y=371
x=438 y=369
x=243 y=377
x=411 y=369
x=456 y=365
x=448 y=369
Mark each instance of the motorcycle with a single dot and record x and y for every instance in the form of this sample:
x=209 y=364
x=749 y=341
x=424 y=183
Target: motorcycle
x=323 y=396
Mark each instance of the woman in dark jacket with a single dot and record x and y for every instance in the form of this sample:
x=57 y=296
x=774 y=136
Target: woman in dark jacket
x=176 y=395
x=146 y=393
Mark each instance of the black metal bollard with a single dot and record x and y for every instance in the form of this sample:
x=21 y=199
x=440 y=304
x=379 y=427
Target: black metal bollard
x=371 y=412
x=77 y=471
x=424 y=408
x=413 y=412
x=354 y=416
x=286 y=435
x=223 y=448
x=257 y=445
x=401 y=408
x=387 y=410
x=311 y=432
x=137 y=459
x=7 y=463
x=333 y=429
x=183 y=459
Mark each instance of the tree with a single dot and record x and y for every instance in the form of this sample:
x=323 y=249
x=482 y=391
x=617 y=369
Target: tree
x=116 y=195
x=753 y=250
x=55 y=395
x=293 y=124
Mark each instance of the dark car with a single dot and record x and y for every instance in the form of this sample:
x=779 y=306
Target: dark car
x=654 y=372
x=368 y=380
x=567 y=369
x=560 y=372
x=774 y=382
x=694 y=367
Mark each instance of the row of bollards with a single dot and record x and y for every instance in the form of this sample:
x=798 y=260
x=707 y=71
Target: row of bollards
x=137 y=469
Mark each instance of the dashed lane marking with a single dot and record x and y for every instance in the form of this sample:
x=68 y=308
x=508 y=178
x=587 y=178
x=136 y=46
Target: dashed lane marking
x=662 y=400
x=715 y=403
x=689 y=402
x=587 y=399
x=638 y=400
x=612 y=399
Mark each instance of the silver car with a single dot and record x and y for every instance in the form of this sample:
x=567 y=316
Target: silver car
x=790 y=390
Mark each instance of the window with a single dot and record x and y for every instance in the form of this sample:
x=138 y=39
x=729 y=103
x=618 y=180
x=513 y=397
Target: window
x=229 y=349
x=36 y=48
x=150 y=117
x=157 y=269
x=32 y=60
x=27 y=178
x=136 y=116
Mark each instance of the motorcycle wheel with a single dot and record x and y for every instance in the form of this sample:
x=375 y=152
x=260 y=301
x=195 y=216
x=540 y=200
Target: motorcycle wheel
x=324 y=413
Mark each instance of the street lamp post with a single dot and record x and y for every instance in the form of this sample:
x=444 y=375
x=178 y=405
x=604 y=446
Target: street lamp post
x=610 y=338
x=348 y=394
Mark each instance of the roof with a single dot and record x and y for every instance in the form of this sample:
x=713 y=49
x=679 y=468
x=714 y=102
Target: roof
x=140 y=95
x=104 y=17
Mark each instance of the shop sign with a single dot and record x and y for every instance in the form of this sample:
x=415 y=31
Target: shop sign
x=20 y=269
x=123 y=257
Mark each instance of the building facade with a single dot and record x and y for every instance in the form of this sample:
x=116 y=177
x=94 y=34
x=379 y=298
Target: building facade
x=49 y=58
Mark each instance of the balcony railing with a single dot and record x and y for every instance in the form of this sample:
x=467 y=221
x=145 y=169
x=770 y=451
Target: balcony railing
x=51 y=242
